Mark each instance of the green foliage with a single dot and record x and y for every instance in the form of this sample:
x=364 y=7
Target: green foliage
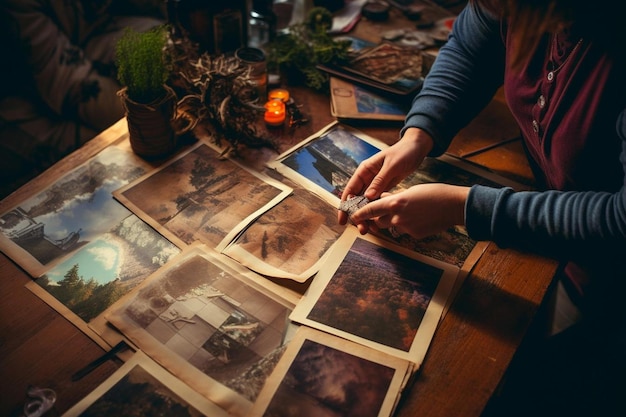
x=306 y=45
x=141 y=63
x=86 y=298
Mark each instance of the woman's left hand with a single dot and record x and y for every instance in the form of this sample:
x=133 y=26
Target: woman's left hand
x=420 y=211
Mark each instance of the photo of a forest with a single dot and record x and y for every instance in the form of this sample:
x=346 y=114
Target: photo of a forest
x=326 y=382
x=377 y=294
x=140 y=394
x=103 y=271
x=202 y=197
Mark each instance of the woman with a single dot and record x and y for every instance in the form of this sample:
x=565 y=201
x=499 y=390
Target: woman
x=562 y=66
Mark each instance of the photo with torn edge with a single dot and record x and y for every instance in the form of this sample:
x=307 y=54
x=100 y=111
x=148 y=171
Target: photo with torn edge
x=324 y=162
x=142 y=387
x=74 y=210
x=378 y=294
x=201 y=196
x=323 y=375
x=291 y=240
x=211 y=322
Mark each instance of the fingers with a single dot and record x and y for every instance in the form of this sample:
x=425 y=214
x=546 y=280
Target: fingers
x=373 y=210
x=342 y=217
x=365 y=175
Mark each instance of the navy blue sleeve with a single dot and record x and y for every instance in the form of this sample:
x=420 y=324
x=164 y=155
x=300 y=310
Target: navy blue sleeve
x=467 y=72
x=551 y=222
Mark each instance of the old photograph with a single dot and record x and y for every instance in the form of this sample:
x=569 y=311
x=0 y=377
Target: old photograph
x=378 y=294
x=210 y=324
x=351 y=101
x=73 y=211
x=202 y=197
x=101 y=272
x=141 y=387
x=453 y=246
x=325 y=376
x=290 y=240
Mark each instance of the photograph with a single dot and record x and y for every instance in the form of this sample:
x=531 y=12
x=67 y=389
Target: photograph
x=140 y=387
x=290 y=240
x=102 y=271
x=321 y=375
x=73 y=211
x=324 y=162
x=351 y=101
x=378 y=294
x=389 y=68
x=202 y=196
x=217 y=327
x=452 y=246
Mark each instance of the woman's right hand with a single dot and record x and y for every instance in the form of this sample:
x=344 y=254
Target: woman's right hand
x=388 y=167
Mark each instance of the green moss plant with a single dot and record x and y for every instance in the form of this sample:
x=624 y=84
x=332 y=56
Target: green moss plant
x=141 y=63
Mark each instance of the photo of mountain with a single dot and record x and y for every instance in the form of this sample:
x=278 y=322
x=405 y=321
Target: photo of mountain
x=329 y=160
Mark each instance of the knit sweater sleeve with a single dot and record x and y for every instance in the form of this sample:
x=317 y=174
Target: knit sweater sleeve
x=468 y=70
x=558 y=223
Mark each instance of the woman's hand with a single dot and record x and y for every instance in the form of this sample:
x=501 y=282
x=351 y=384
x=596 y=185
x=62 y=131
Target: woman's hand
x=387 y=168
x=420 y=211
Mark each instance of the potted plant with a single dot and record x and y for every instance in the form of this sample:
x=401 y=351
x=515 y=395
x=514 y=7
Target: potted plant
x=305 y=45
x=149 y=102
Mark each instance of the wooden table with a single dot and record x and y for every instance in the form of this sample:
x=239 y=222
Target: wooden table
x=469 y=354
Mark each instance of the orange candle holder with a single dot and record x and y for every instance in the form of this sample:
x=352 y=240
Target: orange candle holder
x=278 y=94
x=275 y=112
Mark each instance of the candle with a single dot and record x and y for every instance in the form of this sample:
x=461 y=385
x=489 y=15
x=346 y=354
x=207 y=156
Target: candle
x=279 y=94
x=274 y=112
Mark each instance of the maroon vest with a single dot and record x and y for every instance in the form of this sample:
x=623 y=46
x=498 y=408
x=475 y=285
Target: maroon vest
x=566 y=102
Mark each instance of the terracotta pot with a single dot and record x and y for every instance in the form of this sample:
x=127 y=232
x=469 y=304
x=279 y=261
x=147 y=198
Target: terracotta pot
x=150 y=127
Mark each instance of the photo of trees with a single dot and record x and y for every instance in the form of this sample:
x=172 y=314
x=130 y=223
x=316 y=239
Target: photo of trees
x=101 y=272
x=140 y=394
x=377 y=294
x=326 y=382
x=202 y=197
